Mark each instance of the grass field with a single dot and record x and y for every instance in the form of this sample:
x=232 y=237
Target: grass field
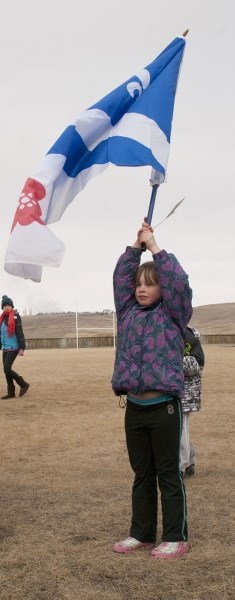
x=66 y=487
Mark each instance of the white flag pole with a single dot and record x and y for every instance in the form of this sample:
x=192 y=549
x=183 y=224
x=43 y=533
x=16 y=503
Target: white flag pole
x=76 y=323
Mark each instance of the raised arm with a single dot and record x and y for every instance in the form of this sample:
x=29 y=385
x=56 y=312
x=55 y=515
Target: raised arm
x=125 y=271
x=176 y=292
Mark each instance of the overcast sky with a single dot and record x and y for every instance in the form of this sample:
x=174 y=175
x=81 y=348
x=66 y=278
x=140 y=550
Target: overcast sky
x=59 y=58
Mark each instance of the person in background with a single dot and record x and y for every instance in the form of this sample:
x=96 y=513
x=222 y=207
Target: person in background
x=153 y=305
x=193 y=364
x=12 y=343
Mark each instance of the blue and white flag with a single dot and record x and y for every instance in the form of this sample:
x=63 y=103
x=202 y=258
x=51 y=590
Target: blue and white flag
x=131 y=127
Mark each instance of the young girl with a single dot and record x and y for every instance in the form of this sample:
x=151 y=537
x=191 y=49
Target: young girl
x=153 y=305
x=12 y=343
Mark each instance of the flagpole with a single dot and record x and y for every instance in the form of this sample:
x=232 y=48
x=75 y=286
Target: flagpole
x=152 y=203
x=76 y=324
x=155 y=187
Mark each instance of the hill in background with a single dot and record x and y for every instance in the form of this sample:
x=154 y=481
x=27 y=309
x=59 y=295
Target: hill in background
x=214 y=318
x=209 y=319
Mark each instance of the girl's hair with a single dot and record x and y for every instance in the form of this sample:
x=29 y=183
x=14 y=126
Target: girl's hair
x=149 y=271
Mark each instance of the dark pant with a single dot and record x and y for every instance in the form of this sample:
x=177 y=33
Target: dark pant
x=8 y=359
x=153 y=442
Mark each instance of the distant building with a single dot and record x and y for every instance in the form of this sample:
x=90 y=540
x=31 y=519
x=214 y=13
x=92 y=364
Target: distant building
x=27 y=312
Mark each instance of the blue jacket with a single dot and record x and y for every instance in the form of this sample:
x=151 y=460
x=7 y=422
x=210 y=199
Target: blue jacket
x=15 y=341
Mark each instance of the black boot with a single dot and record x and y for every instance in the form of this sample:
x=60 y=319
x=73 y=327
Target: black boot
x=24 y=386
x=10 y=392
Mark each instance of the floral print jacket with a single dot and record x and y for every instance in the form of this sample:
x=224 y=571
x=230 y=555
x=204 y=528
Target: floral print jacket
x=150 y=340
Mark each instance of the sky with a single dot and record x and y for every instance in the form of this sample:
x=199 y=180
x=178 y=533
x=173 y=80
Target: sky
x=59 y=58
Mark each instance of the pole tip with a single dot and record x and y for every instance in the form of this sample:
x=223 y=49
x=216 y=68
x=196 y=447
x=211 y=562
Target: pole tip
x=185 y=32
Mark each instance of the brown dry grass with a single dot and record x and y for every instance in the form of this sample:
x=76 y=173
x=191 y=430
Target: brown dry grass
x=66 y=485
x=63 y=325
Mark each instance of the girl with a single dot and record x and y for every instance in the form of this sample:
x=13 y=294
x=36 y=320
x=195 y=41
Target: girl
x=153 y=305
x=12 y=343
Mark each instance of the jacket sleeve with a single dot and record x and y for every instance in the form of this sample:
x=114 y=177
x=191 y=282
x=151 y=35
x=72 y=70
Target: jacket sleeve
x=19 y=333
x=176 y=291
x=190 y=366
x=195 y=348
x=198 y=353
x=124 y=279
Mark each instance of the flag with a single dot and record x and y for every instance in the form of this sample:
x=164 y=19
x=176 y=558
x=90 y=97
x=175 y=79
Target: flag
x=131 y=127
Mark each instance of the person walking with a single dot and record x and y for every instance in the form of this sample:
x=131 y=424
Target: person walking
x=12 y=343
x=193 y=364
x=153 y=306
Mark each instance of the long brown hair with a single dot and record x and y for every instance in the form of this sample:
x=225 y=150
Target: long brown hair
x=149 y=271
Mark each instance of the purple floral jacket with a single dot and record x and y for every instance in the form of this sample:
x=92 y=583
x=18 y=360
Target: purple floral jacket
x=150 y=344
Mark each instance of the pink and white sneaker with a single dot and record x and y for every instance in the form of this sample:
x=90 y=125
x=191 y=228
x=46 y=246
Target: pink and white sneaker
x=170 y=550
x=129 y=545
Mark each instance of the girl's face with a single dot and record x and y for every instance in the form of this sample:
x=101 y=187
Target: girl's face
x=145 y=294
x=7 y=307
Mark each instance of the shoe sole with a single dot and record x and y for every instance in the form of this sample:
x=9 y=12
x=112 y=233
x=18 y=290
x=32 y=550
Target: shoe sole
x=170 y=556
x=120 y=550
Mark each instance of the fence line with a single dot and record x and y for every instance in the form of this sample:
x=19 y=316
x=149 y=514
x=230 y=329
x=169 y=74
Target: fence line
x=109 y=341
x=218 y=338
x=86 y=342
